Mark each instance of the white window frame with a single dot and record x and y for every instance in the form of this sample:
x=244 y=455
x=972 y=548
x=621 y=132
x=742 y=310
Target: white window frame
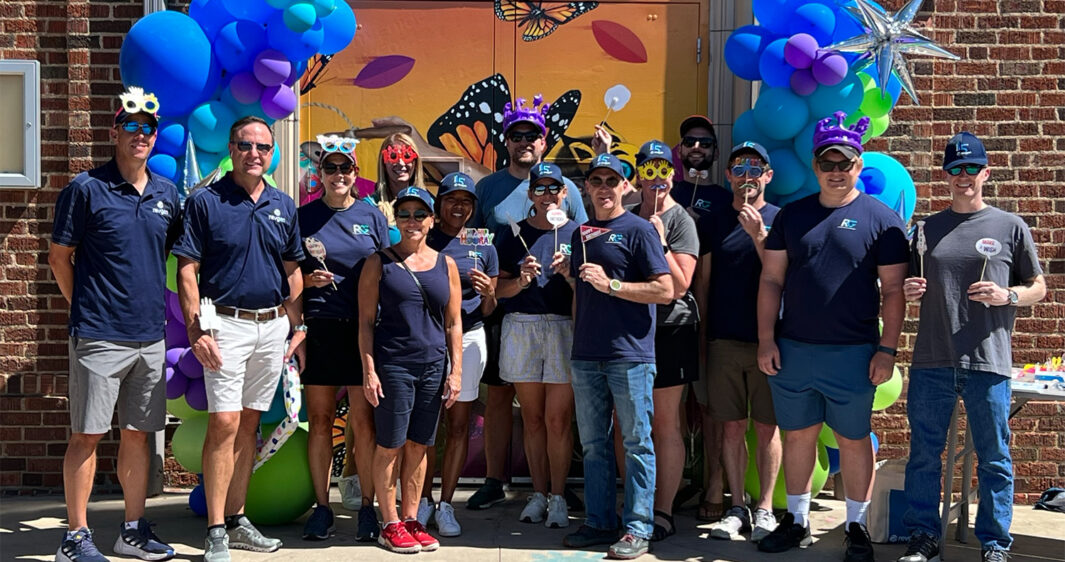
x=30 y=71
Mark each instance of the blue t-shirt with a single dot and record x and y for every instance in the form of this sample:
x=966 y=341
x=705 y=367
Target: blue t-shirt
x=467 y=257
x=549 y=293
x=501 y=195
x=241 y=245
x=830 y=288
x=120 y=238
x=608 y=328
x=406 y=332
x=349 y=235
x=735 y=270
x=707 y=197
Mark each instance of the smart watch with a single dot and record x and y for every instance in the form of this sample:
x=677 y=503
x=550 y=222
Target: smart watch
x=1014 y=297
x=889 y=350
x=615 y=286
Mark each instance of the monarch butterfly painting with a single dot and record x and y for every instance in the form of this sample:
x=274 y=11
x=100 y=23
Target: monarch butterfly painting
x=539 y=22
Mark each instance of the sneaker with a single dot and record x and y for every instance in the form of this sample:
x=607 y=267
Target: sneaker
x=557 y=513
x=368 y=528
x=216 y=545
x=990 y=555
x=425 y=511
x=395 y=537
x=319 y=525
x=859 y=547
x=922 y=548
x=788 y=534
x=446 y=524
x=628 y=547
x=244 y=535
x=77 y=546
x=736 y=520
x=764 y=523
x=417 y=531
x=535 y=509
x=489 y=494
x=142 y=542
x=590 y=536
x=350 y=492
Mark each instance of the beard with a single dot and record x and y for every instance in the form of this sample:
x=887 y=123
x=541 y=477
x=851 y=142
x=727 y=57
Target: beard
x=704 y=164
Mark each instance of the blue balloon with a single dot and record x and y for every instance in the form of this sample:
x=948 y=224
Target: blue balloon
x=164 y=165
x=746 y=129
x=889 y=181
x=275 y=159
x=775 y=71
x=170 y=139
x=198 y=501
x=208 y=161
x=815 y=19
x=780 y=114
x=167 y=53
x=804 y=142
x=743 y=49
x=789 y=172
x=833 y=460
x=775 y=15
x=209 y=126
x=257 y=11
x=339 y=28
x=845 y=96
x=238 y=43
x=296 y=46
x=211 y=15
x=876 y=442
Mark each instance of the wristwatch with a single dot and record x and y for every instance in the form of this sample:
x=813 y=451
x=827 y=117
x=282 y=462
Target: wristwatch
x=1014 y=297
x=889 y=350
x=615 y=286
x=300 y=328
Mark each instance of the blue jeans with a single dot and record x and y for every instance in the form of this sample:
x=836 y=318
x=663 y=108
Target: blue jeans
x=930 y=403
x=627 y=387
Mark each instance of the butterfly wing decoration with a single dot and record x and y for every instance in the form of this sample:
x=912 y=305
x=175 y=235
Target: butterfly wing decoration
x=538 y=21
x=560 y=115
x=473 y=127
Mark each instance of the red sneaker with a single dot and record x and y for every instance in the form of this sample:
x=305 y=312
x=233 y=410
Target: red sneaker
x=395 y=537
x=423 y=537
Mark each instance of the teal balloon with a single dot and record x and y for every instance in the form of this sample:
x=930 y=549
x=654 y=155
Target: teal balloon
x=324 y=7
x=300 y=16
x=888 y=180
x=208 y=161
x=780 y=114
x=746 y=129
x=296 y=46
x=187 y=443
x=845 y=96
x=789 y=173
x=280 y=4
x=275 y=160
x=281 y=490
x=209 y=126
x=339 y=29
x=804 y=142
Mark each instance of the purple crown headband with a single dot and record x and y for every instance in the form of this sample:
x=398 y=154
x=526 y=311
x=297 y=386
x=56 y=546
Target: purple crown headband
x=831 y=131
x=518 y=111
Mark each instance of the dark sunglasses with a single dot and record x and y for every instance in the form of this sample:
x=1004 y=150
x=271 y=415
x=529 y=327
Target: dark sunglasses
x=245 y=146
x=970 y=169
x=830 y=165
x=598 y=181
x=705 y=142
x=553 y=189
x=748 y=169
x=419 y=215
x=344 y=168
x=135 y=127
x=531 y=136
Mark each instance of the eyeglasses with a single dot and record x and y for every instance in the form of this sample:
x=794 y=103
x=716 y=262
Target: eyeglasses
x=399 y=153
x=970 y=169
x=135 y=127
x=419 y=215
x=598 y=181
x=553 y=189
x=705 y=142
x=334 y=143
x=344 y=168
x=245 y=146
x=830 y=165
x=531 y=136
x=747 y=168
x=656 y=168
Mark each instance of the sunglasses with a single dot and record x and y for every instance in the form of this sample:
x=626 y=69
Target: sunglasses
x=655 y=169
x=553 y=189
x=970 y=169
x=339 y=144
x=747 y=168
x=396 y=153
x=419 y=215
x=245 y=146
x=830 y=165
x=705 y=142
x=598 y=181
x=531 y=136
x=135 y=127
x=344 y=168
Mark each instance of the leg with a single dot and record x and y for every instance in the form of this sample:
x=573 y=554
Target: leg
x=800 y=454
x=734 y=455
x=384 y=464
x=987 y=404
x=218 y=463
x=619 y=447
x=361 y=428
x=632 y=387
x=243 y=458
x=455 y=450
x=350 y=462
x=321 y=412
x=929 y=405
x=498 y=424
x=856 y=465
x=430 y=461
x=559 y=416
x=532 y=397
x=768 y=456
x=79 y=471
x=132 y=458
x=713 y=435
x=593 y=405
x=411 y=477
x=668 y=446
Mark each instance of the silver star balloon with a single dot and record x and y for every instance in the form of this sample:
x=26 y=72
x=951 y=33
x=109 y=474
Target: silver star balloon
x=887 y=38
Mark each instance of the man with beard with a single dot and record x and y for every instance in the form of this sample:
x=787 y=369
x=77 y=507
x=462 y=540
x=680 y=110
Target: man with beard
x=698 y=151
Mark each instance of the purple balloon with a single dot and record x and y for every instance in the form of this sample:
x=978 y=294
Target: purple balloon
x=196 y=395
x=176 y=338
x=829 y=68
x=176 y=384
x=800 y=50
x=278 y=101
x=245 y=88
x=173 y=305
x=271 y=68
x=803 y=82
x=173 y=355
x=190 y=366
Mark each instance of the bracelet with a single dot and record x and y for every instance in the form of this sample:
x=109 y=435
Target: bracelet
x=889 y=350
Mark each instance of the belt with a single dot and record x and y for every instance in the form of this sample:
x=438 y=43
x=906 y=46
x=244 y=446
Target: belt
x=264 y=315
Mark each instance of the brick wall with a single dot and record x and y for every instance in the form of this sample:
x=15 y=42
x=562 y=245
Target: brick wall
x=1009 y=87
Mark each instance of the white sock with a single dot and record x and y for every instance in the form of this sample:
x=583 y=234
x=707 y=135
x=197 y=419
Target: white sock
x=856 y=511
x=132 y=524
x=799 y=506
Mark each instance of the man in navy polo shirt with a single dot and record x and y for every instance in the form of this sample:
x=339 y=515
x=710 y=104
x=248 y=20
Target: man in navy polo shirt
x=825 y=254
x=242 y=241
x=621 y=266
x=113 y=226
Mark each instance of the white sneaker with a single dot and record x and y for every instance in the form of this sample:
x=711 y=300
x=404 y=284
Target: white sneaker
x=425 y=511
x=764 y=523
x=350 y=492
x=736 y=520
x=446 y=523
x=557 y=513
x=535 y=510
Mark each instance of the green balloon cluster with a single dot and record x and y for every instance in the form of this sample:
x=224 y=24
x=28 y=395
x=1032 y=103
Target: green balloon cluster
x=780 y=499
x=187 y=443
x=281 y=490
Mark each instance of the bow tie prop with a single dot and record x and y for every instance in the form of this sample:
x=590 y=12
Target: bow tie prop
x=699 y=175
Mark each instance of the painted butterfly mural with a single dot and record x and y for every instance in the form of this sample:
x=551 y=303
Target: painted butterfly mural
x=536 y=20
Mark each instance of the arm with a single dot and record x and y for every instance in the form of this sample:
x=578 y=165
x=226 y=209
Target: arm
x=702 y=293
x=770 y=287
x=893 y=312
x=509 y=285
x=989 y=292
x=369 y=295
x=486 y=287
x=681 y=270
x=294 y=308
x=204 y=346
x=60 y=260
x=751 y=221
x=453 y=334
x=658 y=289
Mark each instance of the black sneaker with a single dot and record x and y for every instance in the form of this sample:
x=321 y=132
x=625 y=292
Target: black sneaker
x=320 y=524
x=859 y=547
x=489 y=494
x=368 y=529
x=142 y=542
x=629 y=547
x=590 y=536
x=787 y=535
x=990 y=555
x=922 y=548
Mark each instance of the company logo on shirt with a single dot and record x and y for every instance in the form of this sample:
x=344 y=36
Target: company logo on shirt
x=701 y=204
x=566 y=249
x=473 y=254
x=160 y=209
x=360 y=229
x=276 y=217
x=848 y=224
x=615 y=239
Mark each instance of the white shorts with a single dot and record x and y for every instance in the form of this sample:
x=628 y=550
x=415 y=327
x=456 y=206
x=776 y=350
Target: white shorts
x=536 y=348
x=252 y=356
x=474 y=358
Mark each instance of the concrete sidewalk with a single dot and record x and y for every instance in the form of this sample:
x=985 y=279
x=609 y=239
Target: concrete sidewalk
x=30 y=529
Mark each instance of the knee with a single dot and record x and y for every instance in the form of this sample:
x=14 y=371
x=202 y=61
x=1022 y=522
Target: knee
x=83 y=441
x=457 y=430
x=320 y=423
x=224 y=425
x=533 y=421
x=559 y=426
x=734 y=430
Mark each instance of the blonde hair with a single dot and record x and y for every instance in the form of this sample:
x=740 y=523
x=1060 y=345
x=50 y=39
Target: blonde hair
x=384 y=198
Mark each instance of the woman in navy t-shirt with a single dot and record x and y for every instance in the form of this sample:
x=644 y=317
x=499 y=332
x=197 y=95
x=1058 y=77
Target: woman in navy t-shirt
x=410 y=317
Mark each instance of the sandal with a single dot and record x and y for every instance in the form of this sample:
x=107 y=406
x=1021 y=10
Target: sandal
x=661 y=532
x=710 y=511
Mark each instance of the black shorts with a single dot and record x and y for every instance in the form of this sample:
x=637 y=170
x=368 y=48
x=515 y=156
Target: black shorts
x=493 y=327
x=676 y=355
x=332 y=353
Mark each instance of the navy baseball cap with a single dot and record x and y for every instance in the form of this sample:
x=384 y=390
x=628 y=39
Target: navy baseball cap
x=694 y=121
x=654 y=150
x=456 y=181
x=749 y=147
x=413 y=193
x=545 y=170
x=608 y=161
x=964 y=148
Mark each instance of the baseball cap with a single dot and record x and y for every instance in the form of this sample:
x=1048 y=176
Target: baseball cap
x=456 y=181
x=414 y=194
x=545 y=170
x=964 y=148
x=694 y=121
x=749 y=147
x=654 y=149
x=608 y=161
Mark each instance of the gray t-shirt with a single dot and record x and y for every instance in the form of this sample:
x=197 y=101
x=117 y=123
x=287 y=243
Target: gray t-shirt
x=955 y=331
x=682 y=238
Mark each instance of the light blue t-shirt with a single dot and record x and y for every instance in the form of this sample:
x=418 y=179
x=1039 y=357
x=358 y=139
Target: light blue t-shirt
x=501 y=195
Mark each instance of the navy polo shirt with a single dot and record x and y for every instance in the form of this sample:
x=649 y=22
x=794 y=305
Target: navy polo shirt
x=607 y=328
x=467 y=257
x=830 y=287
x=120 y=238
x=241 y=245
x=348 y=235
x=701 y=200
x=549 y=293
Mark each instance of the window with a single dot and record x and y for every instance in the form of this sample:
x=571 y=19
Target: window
x=20 y=123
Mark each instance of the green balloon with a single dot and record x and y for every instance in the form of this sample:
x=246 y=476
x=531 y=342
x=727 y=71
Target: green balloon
x=281 y=490
x=171 y=273
x=873 y=104
x=187 y=443
x=888 y=392
x=780 y=494
x=828 y=437
x=225 y=165
x=877 y=126
x=180 y=409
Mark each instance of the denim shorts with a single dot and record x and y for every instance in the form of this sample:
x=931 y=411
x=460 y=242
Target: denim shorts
x=410 y=408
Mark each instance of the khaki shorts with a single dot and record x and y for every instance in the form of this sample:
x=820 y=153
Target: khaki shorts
x=536 y=348
x=252 y=356
x=733 y=381
x=105 y=373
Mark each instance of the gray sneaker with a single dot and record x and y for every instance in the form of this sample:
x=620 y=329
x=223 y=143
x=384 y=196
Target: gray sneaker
x=244 y=535
x=216 y=546
x=764 y=523
x=78 y=546
x=736 y=520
